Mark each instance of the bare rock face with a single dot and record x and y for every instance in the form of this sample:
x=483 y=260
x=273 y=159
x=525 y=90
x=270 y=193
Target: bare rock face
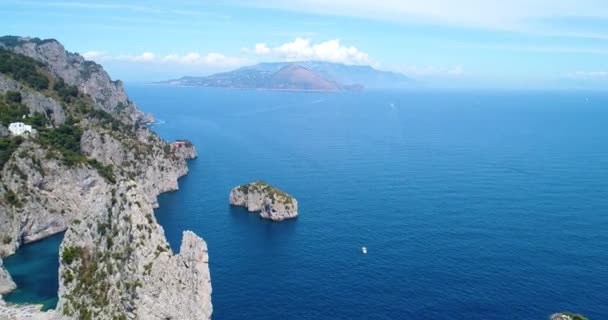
x=46 y=196
x=155 y=165
x=183 y=277
x=184 y=149
x=271 y=203
x=6 y=282
x=120 y=265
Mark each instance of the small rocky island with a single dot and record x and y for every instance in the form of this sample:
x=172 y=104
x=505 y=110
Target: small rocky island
x=567 y=316
x=270 y=202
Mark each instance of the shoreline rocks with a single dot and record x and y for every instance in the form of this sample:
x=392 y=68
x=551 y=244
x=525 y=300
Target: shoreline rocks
x=6 y=281
x=271 y=203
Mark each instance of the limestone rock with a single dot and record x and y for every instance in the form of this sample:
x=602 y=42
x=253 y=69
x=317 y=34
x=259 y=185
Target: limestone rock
x=185 y=278
x=25 y=312
x=114 y=260
x=6 y=282
x=270 y=202
x=88 y=76
x=142 y=278
x=567 y=316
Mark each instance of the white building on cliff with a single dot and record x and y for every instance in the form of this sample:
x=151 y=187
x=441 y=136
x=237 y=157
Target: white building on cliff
x=19 y=128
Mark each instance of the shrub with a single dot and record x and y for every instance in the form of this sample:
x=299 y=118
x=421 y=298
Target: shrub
x=106 y=172
x=7 y=147
x=576 y=316
x=70 y=254
x=66 y=92
x=11 y=109
x=11 y=198
x=13 y=96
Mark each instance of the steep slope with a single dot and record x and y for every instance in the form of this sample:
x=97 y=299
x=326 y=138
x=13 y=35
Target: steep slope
x=87 y=76
x=95 y=170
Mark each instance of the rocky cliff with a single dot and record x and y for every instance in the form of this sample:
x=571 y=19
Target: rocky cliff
x=270 y=202
x=94 y=170
x=6 y=282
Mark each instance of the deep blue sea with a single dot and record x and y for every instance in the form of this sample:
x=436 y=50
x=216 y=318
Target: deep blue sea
x=473 y=205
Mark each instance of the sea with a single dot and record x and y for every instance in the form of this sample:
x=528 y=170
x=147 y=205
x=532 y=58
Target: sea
x=471 y=204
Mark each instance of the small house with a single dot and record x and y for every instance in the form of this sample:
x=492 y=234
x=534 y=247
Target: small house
x=19 y=128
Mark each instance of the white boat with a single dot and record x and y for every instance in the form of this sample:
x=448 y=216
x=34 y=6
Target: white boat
x=364 y=249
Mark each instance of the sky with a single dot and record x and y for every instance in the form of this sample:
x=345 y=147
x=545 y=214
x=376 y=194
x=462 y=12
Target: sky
x=458 y=43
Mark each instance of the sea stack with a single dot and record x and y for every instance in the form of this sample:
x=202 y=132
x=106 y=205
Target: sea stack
x=270 y=202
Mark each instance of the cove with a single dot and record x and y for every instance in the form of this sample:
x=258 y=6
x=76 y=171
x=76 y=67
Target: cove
x=34 y=268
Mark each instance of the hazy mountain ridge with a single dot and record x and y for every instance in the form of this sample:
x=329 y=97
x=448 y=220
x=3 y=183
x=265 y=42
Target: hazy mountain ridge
x=300 y=76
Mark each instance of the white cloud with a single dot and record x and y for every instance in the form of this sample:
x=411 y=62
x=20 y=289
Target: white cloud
x=214 y=59
x=144 y=57
x=94 y=55
x=599 y=75
x=193 y=58
x=304 y=49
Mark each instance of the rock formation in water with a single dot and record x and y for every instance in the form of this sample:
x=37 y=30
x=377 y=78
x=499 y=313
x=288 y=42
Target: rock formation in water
x=94 y=170
x=567 y=316
x=6 y=282
x=270 y=202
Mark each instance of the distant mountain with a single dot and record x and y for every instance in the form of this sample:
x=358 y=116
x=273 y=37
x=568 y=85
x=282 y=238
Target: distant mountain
x=366 y=76
x=301 y=76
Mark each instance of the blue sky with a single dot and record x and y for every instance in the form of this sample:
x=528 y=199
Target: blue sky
x=459 y=43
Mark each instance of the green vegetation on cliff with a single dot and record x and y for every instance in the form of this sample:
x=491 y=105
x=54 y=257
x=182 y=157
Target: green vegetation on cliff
x=576 y=316
x=7 y=147
x=24 y=69
x=263 y=187
x=62 y=141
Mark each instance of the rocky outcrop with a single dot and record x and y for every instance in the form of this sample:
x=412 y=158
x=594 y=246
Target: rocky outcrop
x=182 y=278
x=144 y=156
x=98 y=177
x=183 y=149
x=567 y=316
x=270 y=202
x=120 y=264
x=48 y=196
x=88 y=76
x=6 y=282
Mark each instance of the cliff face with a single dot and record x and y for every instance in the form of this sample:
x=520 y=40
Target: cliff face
x=88 y=76
x=94 y=170
x=120 y=264
x=271 y=203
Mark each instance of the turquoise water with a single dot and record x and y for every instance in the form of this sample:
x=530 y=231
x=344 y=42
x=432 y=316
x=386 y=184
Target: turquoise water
x=34 y=270
x=473 y=205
